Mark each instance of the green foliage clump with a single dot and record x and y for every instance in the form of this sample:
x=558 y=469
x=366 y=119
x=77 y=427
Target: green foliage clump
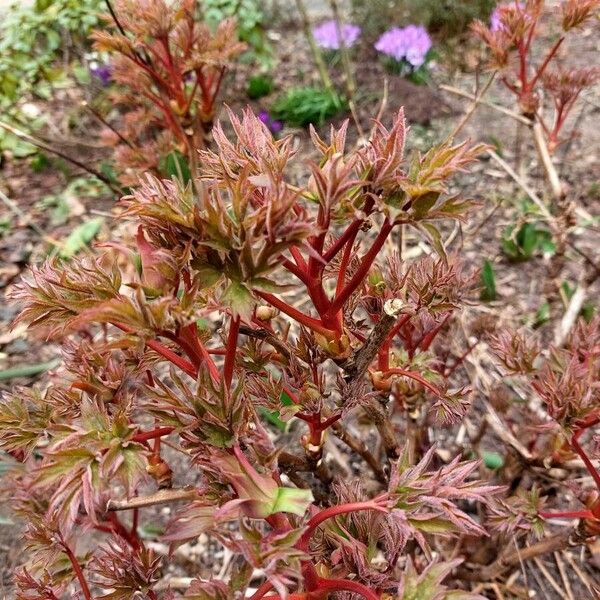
x=36 y=42
x=34 y=38
x=250 y=18
x=259 y=86
x=303 y=106
x=522 y=243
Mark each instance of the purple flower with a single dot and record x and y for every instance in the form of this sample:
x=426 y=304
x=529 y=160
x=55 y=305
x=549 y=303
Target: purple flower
x=326 y=35
x=496 y=19
x=410 y=44
x=103 y=72
x=274 y=126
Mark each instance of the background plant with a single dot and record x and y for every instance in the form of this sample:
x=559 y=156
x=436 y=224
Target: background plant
x=510 y=37
x=564 y=382
x=406 y=51
x=250 y=19
x=169 y=67
x=303 y=106
x=42 y=45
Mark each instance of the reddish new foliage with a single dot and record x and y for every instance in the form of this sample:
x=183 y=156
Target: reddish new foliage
x=566 y=380
x=511 y=41
x=201 y=347
x=169 y=68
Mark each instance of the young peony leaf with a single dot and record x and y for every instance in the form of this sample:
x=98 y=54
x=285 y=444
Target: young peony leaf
x=421 y=205
x=292 y=500
x=435 y=236
x=190 y=522
x=260 y=495
x=239 y=299
x=213 y=589
x=428 y=584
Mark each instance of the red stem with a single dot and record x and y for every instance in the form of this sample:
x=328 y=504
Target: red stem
x=397 y=327
x=383 y=358
x=347 y=585
x=313 y=286
x=152 y=435
x=310 y=575
x=217 y=87
x=585 y=458
x=189 y=348
x=167 y=353
x=190 y=335
x=217 y=351
x=134 y=522
x=298 y=257
x=297 y=270
x=416 y=377
x=352 y=229
x=303 y=319
x=523 y=68
x=131 y=537
x=345 y=262
x=547 y=60
x=173 y=357
x=383 y=355
x=232 y=338
x=568 y=514
x=334 y=511
x=427 y=338
x=362 y=270
x=78 y=571
x=263 y=588
x=299 y=596
x=459 y=361
x=317 y=242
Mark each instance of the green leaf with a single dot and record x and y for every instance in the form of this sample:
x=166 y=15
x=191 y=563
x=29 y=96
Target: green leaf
x=433 y=525
x=80 y=237
x=421 y=204
x=548 y=247
x=542 y=315
x=488 y=282
x=567 y=290
x=176 y=166
x=303 y=106
x=272 y=416
x=527 y=240
x=492 y=460
x=588 y=310
x=39 y=162
x=292 y=500
x=239 y=299
x=207 y=275
x=28 y=370
x=286 y=400
x=433 y=233
x=259 y=86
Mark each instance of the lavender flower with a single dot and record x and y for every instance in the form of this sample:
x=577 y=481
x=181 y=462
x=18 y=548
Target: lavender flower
x=102 y=72
x=326 y=35
x=410 y=44
x=274 y=125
